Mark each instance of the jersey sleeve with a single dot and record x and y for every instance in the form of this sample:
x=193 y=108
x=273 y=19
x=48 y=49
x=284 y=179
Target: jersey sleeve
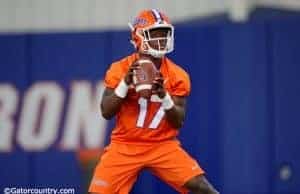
x=113 y=75
x=182 y=84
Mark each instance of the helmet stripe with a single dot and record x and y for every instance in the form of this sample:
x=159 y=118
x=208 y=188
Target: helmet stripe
x=161 y=16
x=156 y=15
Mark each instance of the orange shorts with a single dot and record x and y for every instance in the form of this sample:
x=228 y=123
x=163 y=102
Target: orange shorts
x=121 y=163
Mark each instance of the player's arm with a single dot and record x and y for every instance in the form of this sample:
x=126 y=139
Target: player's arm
x=174 y=106
x=112 y=98
x=176 y=114
x=110 y=103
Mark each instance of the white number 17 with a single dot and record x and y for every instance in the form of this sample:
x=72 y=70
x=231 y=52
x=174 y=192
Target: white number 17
x=143 y=112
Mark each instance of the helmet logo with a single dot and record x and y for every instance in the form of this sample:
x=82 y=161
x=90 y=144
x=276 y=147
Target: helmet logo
x=139 y=21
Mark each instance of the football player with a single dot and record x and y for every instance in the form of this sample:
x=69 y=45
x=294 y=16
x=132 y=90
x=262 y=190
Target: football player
x=144 y=136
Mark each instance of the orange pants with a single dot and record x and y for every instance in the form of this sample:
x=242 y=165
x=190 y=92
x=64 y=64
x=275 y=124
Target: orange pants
x=120 y=164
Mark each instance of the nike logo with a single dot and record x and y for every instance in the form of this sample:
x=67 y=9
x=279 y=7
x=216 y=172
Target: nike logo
x=100 y=182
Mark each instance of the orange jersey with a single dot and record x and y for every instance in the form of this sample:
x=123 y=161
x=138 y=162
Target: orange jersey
x=142 y=121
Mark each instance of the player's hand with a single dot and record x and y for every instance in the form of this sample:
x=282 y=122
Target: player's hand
x=129 y=75
x=158 y=86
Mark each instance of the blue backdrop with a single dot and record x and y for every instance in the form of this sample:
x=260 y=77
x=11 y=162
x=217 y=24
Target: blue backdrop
x=243 y=113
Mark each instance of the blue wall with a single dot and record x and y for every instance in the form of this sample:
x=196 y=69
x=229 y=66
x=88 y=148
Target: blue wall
x=243 y=113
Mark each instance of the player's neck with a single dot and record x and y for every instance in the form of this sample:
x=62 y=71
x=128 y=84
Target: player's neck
x=156 y=61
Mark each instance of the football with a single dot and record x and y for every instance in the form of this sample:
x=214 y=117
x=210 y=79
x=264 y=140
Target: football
x=144 y=77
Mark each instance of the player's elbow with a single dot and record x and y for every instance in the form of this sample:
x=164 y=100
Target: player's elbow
x=178 y=124
x=107 y=114
x=175 y=121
